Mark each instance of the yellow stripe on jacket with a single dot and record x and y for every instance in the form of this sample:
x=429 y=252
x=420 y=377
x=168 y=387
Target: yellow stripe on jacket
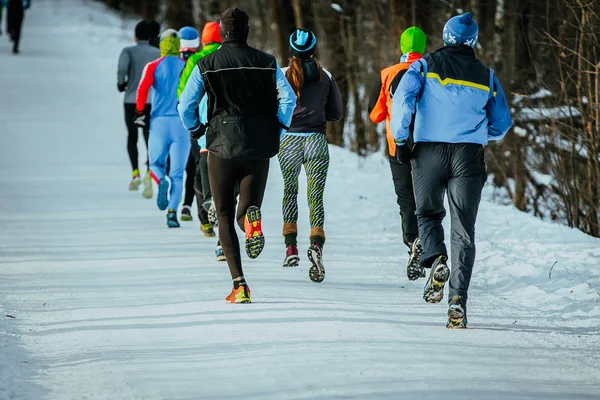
x=459 y=82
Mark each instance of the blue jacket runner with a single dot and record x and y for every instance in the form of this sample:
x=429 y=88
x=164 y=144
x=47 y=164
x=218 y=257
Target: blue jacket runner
x=456 y=99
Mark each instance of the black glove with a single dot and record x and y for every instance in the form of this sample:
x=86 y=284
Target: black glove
x=122 y=86
x=403 y=153
x=198 y=133
x=140 y=120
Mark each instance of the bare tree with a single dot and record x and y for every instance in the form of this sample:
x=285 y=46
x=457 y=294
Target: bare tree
x=179 y=14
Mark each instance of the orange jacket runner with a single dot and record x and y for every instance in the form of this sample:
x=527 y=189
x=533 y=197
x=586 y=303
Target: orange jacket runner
x=380 y=104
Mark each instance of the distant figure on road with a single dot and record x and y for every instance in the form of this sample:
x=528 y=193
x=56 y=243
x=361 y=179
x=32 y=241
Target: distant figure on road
x=132 y=61
x=14 y=18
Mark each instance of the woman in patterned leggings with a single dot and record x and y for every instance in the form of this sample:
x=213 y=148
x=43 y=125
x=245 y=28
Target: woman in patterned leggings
x=319 y=100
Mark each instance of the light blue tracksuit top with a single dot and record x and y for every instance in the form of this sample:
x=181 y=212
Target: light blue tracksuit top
x=448 y=110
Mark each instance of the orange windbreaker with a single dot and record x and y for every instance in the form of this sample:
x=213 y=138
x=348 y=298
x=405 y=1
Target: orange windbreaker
x=383 y=107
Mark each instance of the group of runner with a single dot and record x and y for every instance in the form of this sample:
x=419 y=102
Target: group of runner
x=241 y=109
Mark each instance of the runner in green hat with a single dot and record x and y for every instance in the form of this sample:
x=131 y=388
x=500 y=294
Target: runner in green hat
x=412 y=44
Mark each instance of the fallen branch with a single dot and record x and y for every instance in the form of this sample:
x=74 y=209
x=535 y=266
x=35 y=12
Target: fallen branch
x=550 y=273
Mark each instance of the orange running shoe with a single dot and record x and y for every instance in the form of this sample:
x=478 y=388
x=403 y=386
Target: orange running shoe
x=241 y=295
x=255 y=240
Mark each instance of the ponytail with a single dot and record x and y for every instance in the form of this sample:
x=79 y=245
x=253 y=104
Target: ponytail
x=295 y=74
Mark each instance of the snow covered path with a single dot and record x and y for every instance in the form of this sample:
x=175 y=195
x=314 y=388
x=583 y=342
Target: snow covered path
x=110 y=304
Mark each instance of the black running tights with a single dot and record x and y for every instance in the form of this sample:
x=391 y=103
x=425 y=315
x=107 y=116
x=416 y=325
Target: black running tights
x=223 y=176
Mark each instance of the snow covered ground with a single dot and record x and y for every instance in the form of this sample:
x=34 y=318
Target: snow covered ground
x=110 y=304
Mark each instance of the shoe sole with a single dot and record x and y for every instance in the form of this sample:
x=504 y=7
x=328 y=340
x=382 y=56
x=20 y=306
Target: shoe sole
x=186 y=217
x=255 y=244
x=291 y=261
x=456 y=319
x=245 y=301
x=221 y=258
x=316 y=273
x=161 y=200
x=173 y=225
x=434 y=288
x=414 y=271
x=209 y=234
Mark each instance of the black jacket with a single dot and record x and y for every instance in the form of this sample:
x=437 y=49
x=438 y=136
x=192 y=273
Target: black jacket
x=242 y=102
x=320 y=101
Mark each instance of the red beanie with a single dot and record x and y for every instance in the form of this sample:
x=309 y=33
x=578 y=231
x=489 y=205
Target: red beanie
x=211 y=33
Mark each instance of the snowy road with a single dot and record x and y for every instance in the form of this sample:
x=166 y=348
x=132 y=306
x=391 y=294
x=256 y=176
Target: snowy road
x=110 y=304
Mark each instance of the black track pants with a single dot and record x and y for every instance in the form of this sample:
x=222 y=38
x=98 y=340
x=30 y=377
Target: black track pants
x=457 y=170
x=403 y=185
x=223 y=175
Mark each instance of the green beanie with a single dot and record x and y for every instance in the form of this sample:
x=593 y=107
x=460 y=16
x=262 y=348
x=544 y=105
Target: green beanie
x=169 y=43
x=413 y=40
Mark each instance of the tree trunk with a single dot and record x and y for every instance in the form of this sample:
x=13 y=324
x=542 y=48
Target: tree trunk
x=331 y=24
x=179 y=14
x=296 y=4
x=282 y=18
x=150 y=9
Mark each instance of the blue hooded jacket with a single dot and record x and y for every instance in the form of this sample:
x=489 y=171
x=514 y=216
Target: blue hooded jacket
x=456 y=99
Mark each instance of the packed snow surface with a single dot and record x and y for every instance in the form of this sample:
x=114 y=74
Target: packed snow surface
x=100 y=300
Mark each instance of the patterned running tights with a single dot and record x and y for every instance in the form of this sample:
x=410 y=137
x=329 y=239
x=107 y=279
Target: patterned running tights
x=312 y=152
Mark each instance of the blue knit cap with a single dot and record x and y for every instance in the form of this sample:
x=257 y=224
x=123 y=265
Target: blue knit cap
x=302 y=43
x=189 y=37
x=461 y=29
